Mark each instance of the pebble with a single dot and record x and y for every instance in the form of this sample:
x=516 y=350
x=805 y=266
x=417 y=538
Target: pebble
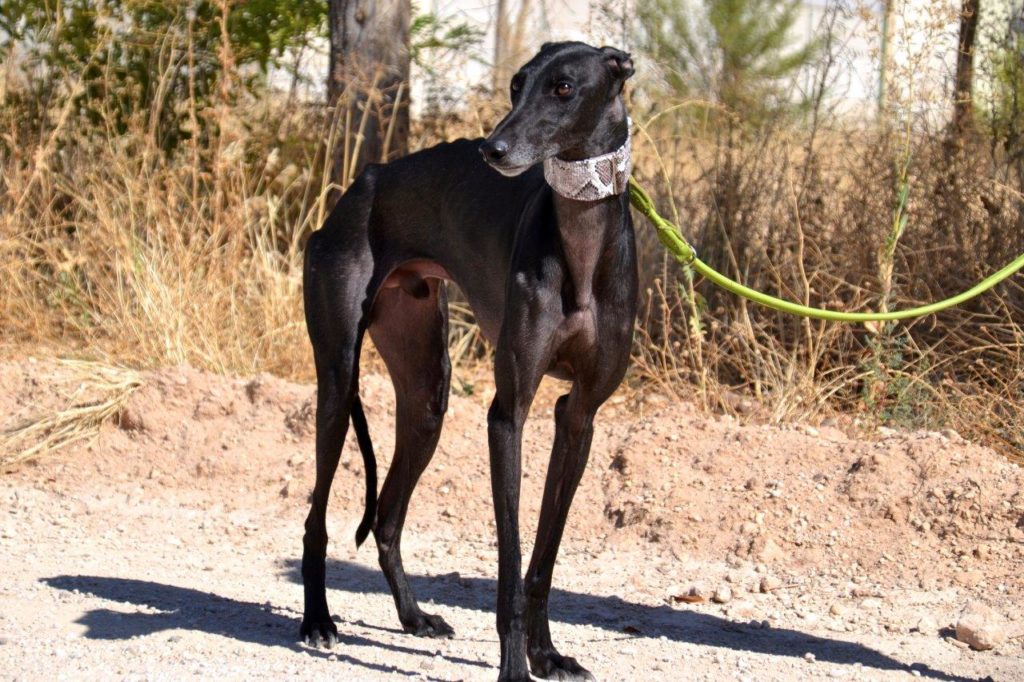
x=952 y=435
x=771 y=552
x=980 y=627
x=927 y=625
x=809 y=657
x=286 y=489
x=742 y=611
x=838 y=609
x=722 y=595
x=970 y=578
x=769 y=583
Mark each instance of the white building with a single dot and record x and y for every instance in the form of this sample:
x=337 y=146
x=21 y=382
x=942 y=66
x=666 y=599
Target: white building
x=922 y=50
x=922 y=47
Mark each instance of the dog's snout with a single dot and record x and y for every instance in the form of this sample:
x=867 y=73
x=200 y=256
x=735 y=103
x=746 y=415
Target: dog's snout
x=494 y=151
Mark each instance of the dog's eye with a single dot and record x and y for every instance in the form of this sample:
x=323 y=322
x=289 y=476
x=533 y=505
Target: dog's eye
x=517 y=84
x=563 y=89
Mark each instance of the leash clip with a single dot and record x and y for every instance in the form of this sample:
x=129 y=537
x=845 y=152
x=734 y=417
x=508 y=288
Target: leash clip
x=693 y=253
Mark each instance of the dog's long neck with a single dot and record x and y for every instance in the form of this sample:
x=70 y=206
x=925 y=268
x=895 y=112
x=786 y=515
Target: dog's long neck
x=587 y=227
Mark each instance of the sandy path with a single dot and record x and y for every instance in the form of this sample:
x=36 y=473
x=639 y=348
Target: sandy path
x=145 y=557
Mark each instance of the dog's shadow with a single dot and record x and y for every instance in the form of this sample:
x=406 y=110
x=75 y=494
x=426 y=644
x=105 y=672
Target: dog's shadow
x=182 y=608
x=191 y=609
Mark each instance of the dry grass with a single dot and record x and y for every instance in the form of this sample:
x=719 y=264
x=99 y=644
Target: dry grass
x=114 y=249
x=99 y=395
x=816 y=216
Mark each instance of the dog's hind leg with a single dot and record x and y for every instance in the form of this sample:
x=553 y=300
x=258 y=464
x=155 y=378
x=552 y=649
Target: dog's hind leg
x=410 y=330
x=336 y=280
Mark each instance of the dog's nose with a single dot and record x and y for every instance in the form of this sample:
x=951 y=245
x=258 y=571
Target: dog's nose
x=494 y=151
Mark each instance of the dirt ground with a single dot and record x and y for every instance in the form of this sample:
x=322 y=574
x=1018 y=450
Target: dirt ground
x=167 y=547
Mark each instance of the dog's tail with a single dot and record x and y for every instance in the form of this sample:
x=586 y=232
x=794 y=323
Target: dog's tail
x=370 y=465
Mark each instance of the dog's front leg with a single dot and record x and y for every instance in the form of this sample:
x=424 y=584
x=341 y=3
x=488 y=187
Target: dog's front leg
x=517 y=375
x=574 y=429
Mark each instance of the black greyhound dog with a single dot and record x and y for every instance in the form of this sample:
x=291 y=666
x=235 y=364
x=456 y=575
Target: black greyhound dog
x=545 y=255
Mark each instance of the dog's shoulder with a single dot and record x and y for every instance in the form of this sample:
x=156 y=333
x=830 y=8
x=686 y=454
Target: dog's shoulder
x=436 y=157
x=458 y=148
x=446 y=159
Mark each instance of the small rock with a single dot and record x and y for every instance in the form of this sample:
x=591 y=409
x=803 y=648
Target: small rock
x=927 y=625
x=769 y=551
x=838 y=610
x=286 y=489
x=742 y=611
x=809 y=657
x=952 y=435
x=722 y=595
x=871 y=603
x=770 y=583
x=970 y=578
x=980 y=627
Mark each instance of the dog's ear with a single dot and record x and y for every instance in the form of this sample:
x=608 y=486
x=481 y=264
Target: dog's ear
x=619 y=63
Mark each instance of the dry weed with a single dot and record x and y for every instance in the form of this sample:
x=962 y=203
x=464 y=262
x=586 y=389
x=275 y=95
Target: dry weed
x=99 y=395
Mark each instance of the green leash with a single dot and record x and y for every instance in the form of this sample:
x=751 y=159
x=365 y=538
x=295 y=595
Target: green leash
x=673 y=240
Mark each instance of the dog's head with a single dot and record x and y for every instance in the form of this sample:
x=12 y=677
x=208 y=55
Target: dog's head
x=565 y=102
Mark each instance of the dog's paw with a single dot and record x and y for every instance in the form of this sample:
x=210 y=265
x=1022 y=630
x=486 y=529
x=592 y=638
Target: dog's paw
x=425 y=625
x=315 y=631
x=553 y=666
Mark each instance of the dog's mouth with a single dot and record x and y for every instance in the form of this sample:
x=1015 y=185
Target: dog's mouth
x=509 y=171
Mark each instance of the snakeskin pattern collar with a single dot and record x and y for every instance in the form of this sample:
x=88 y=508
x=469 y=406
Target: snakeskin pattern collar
x=595 y=178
